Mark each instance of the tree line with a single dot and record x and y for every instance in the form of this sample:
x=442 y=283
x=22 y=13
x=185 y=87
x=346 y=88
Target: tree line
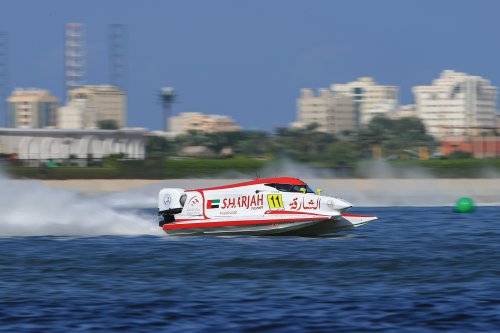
x=386 y=138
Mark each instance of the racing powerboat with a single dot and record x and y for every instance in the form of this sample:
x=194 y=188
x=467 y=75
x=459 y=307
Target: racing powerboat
x=272 y=206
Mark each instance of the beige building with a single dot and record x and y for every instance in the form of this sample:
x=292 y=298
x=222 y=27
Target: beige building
x=404 y=111
x=370 y=99
x=108 y=102
x=195 y=121
x=77 y=114
x=32 y=108
x=333 y=113
x=456 y=103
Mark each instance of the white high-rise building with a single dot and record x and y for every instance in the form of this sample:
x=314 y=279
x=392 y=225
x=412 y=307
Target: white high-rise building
x=370 y=99
x=333 y=113
x=456 y=103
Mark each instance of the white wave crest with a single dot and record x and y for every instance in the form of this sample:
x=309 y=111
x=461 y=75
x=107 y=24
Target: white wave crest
x=28 y=208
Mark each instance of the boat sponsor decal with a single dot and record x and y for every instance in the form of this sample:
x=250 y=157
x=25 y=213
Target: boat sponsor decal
x=275 y=201
x=193 y=201
x=193 y=206
x=214 y=203
x=288 y=212
x=255 y=201
x=312 y=204
x=167 y=199
x=229 y=212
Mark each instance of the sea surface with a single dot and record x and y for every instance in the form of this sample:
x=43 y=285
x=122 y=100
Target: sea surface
x=414 y=270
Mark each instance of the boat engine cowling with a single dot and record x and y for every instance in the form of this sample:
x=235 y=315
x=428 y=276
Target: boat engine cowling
x=171 y=201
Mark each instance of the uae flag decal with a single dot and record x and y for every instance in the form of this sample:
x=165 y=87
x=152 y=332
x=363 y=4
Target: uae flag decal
x=213 y=203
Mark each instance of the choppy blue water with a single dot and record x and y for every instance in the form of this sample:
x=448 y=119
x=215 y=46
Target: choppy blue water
x=414 y=270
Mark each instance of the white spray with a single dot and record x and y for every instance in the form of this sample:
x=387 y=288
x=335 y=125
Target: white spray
x=29 y=208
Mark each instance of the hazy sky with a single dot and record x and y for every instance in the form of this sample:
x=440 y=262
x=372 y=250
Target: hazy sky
x=248 y=59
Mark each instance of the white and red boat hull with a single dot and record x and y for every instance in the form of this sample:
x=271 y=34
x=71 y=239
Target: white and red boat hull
x=273 y=206
x=292 y=225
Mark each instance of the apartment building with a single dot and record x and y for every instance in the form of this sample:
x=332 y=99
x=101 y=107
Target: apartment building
x=456 y=103
x=32 y=108
x=107 y=101
x=331 y=112
x=370 y=98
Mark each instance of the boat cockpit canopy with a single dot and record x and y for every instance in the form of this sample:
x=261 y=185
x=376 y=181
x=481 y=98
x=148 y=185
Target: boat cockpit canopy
x=291 y=188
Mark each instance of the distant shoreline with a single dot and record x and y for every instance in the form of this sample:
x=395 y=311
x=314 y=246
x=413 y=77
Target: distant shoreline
x=374 y=191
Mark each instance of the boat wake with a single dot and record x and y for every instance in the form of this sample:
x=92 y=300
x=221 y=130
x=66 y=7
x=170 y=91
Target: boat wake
x=29 y=208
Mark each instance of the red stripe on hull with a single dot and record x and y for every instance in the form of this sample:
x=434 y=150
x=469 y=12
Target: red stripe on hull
x=284 y=180
x=203 y=204
x=238 y=223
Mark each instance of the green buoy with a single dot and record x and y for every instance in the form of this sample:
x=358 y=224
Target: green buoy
x=464 y=205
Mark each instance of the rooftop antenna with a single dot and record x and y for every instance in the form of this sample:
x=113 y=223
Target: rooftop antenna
x=74 y=52
x=118 y=55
